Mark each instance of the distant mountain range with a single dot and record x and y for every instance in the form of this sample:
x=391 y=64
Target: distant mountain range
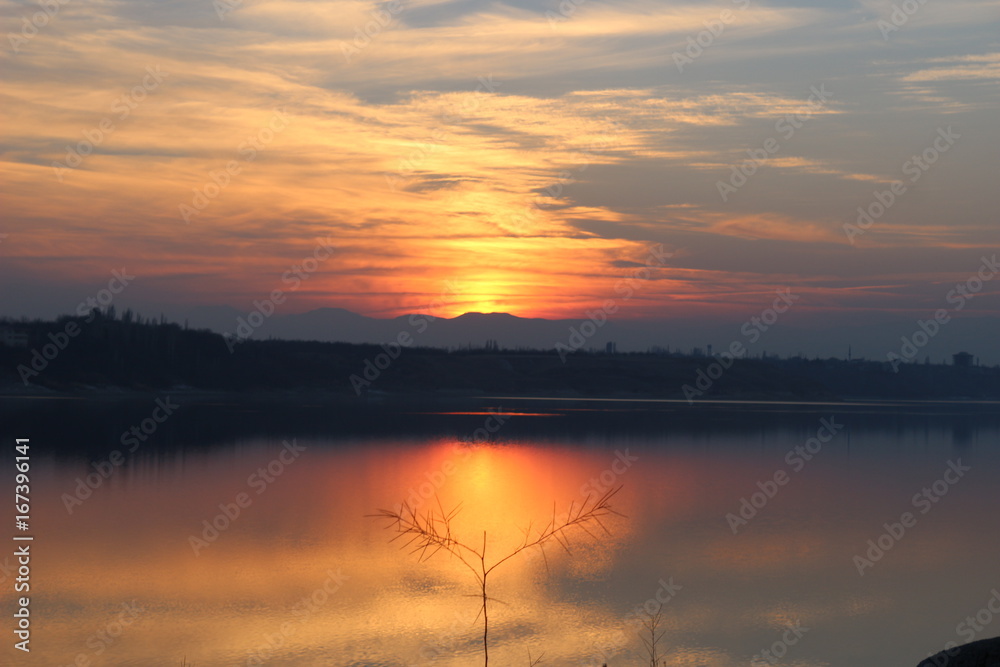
x=823 y=334
x=475 y=329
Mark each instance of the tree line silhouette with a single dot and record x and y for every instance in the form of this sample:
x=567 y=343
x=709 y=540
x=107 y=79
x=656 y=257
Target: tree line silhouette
x=143 y=353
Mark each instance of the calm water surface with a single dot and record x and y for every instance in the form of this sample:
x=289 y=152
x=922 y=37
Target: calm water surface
x=302 y=577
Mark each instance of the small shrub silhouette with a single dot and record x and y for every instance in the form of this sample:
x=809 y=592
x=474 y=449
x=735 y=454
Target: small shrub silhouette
x=431 y=531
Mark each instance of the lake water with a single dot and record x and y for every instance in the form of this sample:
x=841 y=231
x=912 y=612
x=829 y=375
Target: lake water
x=301 y=576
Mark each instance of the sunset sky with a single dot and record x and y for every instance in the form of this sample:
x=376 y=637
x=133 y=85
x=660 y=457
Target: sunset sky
x=530 y=153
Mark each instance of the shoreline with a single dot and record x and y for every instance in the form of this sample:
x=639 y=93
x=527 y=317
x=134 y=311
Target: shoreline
x=199 y=395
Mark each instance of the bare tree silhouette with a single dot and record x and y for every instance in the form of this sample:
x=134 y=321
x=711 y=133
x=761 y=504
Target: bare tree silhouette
x=652 y=625
x=431 y=531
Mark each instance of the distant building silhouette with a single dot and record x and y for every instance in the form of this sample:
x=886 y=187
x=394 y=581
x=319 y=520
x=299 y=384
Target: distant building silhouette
x=962 y=360
x=611 y=347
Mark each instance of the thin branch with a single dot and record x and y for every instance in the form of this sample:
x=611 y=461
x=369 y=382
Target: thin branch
x=576 y=517
x=652 y=626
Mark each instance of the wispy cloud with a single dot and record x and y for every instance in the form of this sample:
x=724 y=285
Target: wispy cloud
x=464 y=138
